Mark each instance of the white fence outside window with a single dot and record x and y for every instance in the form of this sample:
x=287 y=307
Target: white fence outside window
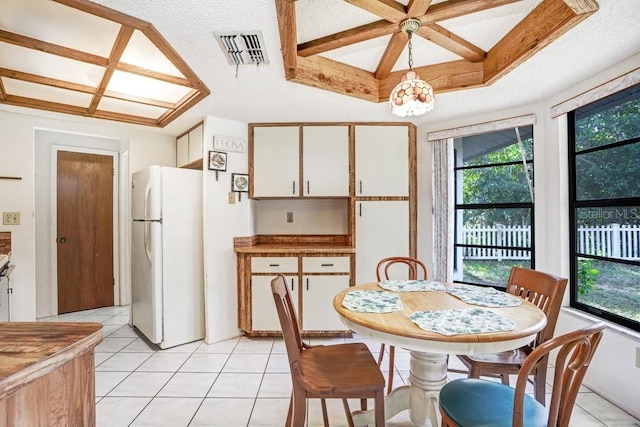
x=613 y=240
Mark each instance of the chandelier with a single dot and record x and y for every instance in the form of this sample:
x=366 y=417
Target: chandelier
x=412 y=96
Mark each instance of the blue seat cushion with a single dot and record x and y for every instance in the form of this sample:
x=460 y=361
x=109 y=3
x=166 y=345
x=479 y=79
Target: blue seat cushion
x=471 y=402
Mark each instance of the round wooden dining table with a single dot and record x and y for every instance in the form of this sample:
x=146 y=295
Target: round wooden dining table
x=430 y=350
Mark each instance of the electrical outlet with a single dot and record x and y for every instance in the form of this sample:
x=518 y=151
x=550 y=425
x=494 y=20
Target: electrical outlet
x=231 y=197
x=11 y=218
x=289 y=216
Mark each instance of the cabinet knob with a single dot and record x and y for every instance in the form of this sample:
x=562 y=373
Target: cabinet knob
x=274 y=265
x=360 y=185
x=326 y=265
x=294 y=188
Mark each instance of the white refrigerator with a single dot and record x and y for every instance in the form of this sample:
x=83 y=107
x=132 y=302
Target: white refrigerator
x=167 y=267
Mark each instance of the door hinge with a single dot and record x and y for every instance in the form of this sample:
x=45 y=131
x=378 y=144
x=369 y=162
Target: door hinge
x=114 y=281
x=113 y=171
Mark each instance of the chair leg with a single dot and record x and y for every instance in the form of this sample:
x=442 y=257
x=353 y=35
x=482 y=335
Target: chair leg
x=325 y=416
x=379 y=409
x=363 y=404
x=505 y=379
x=381 y=355
x=347 y=410
x=539 y=380
x=290 y=412
x=392 y=353
x=299 y=409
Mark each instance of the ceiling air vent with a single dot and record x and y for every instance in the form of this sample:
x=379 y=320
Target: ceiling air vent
x=243 y=48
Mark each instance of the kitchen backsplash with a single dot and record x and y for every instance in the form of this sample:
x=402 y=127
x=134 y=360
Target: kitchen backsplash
x=307 y=216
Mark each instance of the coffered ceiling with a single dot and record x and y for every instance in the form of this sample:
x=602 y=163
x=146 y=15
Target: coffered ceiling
x=328 y=60
x=76 y=57
x=466 y=43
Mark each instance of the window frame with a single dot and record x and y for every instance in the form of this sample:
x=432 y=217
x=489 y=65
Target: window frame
x=457 y=206
x=573 y=207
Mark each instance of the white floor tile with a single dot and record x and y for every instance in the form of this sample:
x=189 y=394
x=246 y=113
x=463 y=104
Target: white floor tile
x=109 y=344
x=116 y=320
x=123 y=362
x=142 y=384
x=164 y=362
x=125 y=332
x=184 y=348
x=119 y=411
x=605 y=411
x=140 y=345
x=226 y=346
x=254 y=345
x=269 y=412
x=246 y=363
x=205 y=362
x=188 y=385
x=168 y=412
x=278 y=363
x=232 y=412
x=101 y=357
x=236 y=385
x=275 y=385
x=107 y=381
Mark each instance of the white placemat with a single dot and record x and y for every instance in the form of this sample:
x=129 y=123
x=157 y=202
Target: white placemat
x=486 y=297
x=412 y=285
x=462 y=321
x=367 y=301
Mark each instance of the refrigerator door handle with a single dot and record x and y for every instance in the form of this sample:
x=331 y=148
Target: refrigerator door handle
x=147 y=246
x=147 y=194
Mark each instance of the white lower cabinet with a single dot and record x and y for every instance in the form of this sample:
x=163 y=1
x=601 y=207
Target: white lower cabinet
x=382 y=230
x=317 y=302
x=264 y=316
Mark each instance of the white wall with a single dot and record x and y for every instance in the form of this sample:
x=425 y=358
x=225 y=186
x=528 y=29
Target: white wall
x=17 y=147
x=223 y=222
x=613 y=373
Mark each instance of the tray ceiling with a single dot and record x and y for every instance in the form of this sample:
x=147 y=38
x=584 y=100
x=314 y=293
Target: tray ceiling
x=77 y=57
x=461 y=43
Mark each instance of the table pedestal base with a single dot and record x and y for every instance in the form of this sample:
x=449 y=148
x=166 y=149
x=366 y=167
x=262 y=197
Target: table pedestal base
x=428 y=374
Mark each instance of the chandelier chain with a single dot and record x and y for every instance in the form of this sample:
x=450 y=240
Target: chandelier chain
x=410 y=53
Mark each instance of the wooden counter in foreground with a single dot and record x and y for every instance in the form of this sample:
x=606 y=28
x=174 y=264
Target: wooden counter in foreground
x=47 y=375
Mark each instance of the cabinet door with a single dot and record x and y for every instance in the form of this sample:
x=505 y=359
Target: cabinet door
x=276 y=161
x=264 y=316
x=182 y=150
x=325 y=161
x=382 y=230
x=382 y=161
x=196 y=137
x=317 y=302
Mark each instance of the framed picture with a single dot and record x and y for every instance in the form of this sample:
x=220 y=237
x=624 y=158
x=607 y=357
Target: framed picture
x=217 y=161
x=240 y=182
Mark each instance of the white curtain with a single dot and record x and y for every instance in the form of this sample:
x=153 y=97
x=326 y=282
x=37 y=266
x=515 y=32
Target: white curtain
x=443 y=209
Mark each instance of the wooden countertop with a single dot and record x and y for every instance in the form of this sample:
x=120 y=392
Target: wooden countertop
x=274 y=248
x=29 y=350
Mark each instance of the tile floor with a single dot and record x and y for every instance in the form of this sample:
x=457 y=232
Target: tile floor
x=238 y=382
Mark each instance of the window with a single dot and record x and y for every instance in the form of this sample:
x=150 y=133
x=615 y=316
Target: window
x=604 y=153
x=493 y=205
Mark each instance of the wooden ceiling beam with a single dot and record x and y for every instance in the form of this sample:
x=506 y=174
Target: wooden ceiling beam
x=120 y=44
x=455 y=8
x=445 y=77
x=51 y=48
x=391 y=54
x=47 y=81
x=334 y=76
x=417 y=8
x=548 y=21
x=451 y=42
x=3 y=93
x=389 y=10
x=167 y=78
x=348 y=37
x=286 y=12
x=188 y=101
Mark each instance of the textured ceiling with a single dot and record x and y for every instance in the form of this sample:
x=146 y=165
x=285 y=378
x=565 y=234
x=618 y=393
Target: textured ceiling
x=262 y=94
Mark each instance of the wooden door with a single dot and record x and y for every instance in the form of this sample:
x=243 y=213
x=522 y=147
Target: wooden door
x=84 y=231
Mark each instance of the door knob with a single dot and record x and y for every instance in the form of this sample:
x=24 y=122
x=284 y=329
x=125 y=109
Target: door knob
x=62 y=240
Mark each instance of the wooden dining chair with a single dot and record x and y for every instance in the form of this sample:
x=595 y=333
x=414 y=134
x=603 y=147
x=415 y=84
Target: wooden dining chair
x=392 y=268
x=471 y=402
x=544 y=290
x=335 y=371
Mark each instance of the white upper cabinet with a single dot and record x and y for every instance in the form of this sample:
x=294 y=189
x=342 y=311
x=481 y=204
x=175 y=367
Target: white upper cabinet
x=382 y=161
x=325 y=164
x=276 y=161
x=189 y=148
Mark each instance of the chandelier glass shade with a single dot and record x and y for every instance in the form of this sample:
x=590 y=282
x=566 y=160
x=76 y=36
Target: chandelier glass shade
x=412 y=96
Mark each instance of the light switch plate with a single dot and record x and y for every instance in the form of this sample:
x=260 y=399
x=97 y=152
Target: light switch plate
x=11 y=218
x=231 y=197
